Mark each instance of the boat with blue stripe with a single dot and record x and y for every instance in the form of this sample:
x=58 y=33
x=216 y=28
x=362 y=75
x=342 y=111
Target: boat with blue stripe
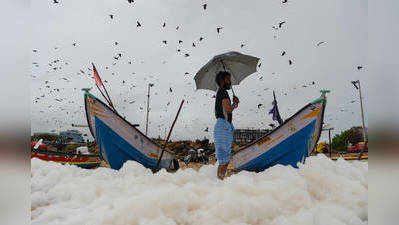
x=120 y=141
x=288 y=144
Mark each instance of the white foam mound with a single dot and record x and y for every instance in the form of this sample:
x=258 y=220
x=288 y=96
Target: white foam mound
x=320 y=192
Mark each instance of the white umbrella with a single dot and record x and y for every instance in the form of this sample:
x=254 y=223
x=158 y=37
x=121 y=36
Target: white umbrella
x=238 y=65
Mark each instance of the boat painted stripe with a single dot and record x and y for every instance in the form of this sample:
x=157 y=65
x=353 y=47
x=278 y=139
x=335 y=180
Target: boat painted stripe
x=312 y=114
x=96 y=109
x=98 y=114
x=98 y=106
x=91 y=101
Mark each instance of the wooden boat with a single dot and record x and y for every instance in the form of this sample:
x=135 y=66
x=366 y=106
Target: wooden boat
x=120 y=141
x=81 y=160
x=288 y=144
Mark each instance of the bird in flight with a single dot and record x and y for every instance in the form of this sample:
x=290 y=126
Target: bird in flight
x=259 y=105
x=359 y=67
x=281 y=24
x=320 y=43
x=201 y=38
x=55 y=2
x=218 y=29
x=204 y=6
x=290 y=62
x=283 y=53
x=164 y=24
x=111 y=16
x=284 y=1
x=138 y=24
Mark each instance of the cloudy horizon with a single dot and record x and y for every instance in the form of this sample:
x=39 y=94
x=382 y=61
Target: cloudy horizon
x=326 y=41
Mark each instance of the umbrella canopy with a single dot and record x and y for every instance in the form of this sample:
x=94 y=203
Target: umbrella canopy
x=239 y=65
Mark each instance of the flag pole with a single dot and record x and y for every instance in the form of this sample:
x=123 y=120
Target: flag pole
x=97 y=76
x=110 y=102
x=103 y=94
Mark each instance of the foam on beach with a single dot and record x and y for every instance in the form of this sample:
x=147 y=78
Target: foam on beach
x=320 y=192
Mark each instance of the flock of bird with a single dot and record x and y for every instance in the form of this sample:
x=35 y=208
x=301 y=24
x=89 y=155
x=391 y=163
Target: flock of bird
x=61 y=103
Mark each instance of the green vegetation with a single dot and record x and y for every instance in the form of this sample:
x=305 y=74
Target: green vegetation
x=352 y=135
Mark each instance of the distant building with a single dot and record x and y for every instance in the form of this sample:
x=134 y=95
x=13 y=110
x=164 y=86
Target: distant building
x=44 y=133
x=72 y=136
x=245 y=136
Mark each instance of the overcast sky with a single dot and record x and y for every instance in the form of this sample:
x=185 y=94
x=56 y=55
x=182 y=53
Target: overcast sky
x=342 y=25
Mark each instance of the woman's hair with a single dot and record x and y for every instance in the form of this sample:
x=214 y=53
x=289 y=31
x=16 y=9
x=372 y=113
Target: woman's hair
x=221 y=76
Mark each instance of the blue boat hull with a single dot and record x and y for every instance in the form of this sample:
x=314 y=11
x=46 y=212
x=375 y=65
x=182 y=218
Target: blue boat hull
x=288 y=144
x=283 y=153
x=117 y=150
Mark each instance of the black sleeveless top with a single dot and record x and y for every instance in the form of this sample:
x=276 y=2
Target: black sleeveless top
x=220 y=95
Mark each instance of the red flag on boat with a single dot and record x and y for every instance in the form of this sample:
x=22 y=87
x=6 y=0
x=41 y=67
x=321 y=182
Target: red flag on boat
x=97 y=77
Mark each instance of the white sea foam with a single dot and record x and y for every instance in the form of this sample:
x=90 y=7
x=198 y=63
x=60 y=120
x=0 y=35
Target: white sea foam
x=319 y=192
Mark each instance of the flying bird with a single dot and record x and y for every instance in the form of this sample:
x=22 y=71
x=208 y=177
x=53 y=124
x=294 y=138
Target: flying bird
x=206 y=129
x=170 y=89
x=281 y=24
x=164 y=24
x=186 y=55
x=111 y=16
x=130 y=1
x=359 y=67
x=259 y=105
x=201 y=38
x=193 y=44
x=290 y=62
x=177 y=28
x=259 y=65
x=138 y=24
x=180 y=42
x=242 y=45
x=74 y=44
x=284 y=1
x=218 y=29
x=55 y=2
x=320 y=43
x=283 y=53
x=165 y=42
